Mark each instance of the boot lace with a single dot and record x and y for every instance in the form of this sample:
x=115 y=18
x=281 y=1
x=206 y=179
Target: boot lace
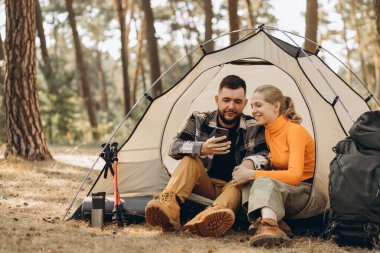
x=166 y=196
x=259 y=225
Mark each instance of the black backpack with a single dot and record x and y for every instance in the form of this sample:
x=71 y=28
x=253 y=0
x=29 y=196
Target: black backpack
x=354 y=185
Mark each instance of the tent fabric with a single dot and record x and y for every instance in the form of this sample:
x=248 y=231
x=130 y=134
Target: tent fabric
x=144 y=164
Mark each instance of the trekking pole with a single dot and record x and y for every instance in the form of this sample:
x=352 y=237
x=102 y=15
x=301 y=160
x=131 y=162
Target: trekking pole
x=118 y=210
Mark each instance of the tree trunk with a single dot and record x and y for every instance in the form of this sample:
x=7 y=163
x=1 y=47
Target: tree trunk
x=122 y=7
x=25 y=134
x=207 y=6
x=140 y=36
x=364 y=70
x=251 y=22
x=376 y=63
x=311 y=28
x=102 y=82
x=349 y=75
x=41 y=35
x=377 y=13
x=189 y=26
x=233 y=20
x=152 y=47
x=1 y=49
x=84 y=83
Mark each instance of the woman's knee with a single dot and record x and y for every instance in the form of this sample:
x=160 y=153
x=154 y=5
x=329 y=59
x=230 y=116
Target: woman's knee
x=264 y=181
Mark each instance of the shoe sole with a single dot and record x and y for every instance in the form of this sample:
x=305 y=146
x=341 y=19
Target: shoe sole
x=215 y=224
x=269 y=241
x=155 y=217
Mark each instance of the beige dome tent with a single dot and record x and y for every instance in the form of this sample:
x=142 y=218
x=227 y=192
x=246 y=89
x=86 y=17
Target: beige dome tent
x=327 y=104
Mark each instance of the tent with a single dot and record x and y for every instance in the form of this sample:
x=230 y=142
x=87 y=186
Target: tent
x=327 y=104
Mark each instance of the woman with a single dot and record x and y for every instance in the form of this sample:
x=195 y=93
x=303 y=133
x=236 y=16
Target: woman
x=285 y=188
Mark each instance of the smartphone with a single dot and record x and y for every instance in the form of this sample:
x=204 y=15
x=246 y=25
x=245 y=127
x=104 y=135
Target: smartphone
x=221 y=132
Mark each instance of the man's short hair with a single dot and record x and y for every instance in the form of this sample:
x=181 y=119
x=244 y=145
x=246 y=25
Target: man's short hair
x=232 y=82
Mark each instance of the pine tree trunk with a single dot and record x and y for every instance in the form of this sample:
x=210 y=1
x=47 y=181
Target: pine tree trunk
x=364 y=70
x=188 y=25
x=121 y=8
x=311 y=28
x=233 y=20
x=1 y=68
x=251 y=22
x=207 y=6
x=84 y=84
x=152 y=47
x=191 y=24
x=349 y=75
x=25 y=134
x=377 y=13
x=140 y=36
x=1 y=49
x=41 y=35
x=102 y=82
x=376 y=89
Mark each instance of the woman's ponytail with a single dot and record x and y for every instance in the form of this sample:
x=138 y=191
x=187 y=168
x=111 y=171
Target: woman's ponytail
x=289 y=111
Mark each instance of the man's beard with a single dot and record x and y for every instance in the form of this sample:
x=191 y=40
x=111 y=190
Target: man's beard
x=228 y=122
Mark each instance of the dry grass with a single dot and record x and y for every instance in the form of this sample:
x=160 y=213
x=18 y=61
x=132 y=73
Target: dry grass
x=35 y=195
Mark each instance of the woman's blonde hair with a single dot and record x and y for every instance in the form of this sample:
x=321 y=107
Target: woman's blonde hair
x=273 y=94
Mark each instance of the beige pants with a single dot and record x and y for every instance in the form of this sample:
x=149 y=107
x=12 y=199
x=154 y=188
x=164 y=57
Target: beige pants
x=282 y=198
x=190 y=176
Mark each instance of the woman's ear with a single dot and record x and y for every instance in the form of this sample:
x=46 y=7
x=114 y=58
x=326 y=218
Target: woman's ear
x=277 y=106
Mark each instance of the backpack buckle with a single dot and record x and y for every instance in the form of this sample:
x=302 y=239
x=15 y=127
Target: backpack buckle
x=371 y=229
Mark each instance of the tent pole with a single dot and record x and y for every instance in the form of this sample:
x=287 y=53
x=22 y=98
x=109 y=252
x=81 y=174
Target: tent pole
x=198 y=47
x=327 y=51
x=92 y=168
x=324 y=78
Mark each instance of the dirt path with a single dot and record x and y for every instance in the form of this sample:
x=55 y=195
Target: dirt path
x=33 y=199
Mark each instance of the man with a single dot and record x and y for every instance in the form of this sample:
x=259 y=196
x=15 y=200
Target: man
x=208 y=162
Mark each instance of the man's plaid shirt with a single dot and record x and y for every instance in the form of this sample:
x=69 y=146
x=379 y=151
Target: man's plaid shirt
x=201 y=126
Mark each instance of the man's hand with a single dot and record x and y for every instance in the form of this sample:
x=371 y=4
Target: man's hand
x=213 y=146
x=242 y=175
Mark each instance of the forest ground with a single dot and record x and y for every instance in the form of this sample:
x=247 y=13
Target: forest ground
x=35 y=195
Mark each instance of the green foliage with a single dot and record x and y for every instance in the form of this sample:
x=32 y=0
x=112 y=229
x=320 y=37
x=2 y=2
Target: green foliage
x=60 y=104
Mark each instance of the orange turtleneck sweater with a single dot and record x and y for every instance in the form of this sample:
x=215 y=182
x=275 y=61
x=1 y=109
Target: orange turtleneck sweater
x=292 y=152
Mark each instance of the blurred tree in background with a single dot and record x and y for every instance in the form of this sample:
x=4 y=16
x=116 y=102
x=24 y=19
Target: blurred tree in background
x=84 y=89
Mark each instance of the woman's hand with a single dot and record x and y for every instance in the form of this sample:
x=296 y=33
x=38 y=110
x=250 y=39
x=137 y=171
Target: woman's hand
x=242 y=175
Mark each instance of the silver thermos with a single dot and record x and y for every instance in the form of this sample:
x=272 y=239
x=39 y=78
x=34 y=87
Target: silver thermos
x=97 y=210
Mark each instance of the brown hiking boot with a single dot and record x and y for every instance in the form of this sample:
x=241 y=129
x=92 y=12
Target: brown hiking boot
x=163 y=212
x=213 y=221
x=268 y=234
x=281 y=224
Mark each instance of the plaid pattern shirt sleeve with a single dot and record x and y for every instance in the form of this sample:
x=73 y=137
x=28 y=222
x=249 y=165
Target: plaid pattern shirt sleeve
x=260 y=148
x=185 y=144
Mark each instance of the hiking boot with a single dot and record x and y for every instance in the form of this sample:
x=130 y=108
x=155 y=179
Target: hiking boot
x=268 y=234
x=163 y=212
x=281 y=224
x=213 y=221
